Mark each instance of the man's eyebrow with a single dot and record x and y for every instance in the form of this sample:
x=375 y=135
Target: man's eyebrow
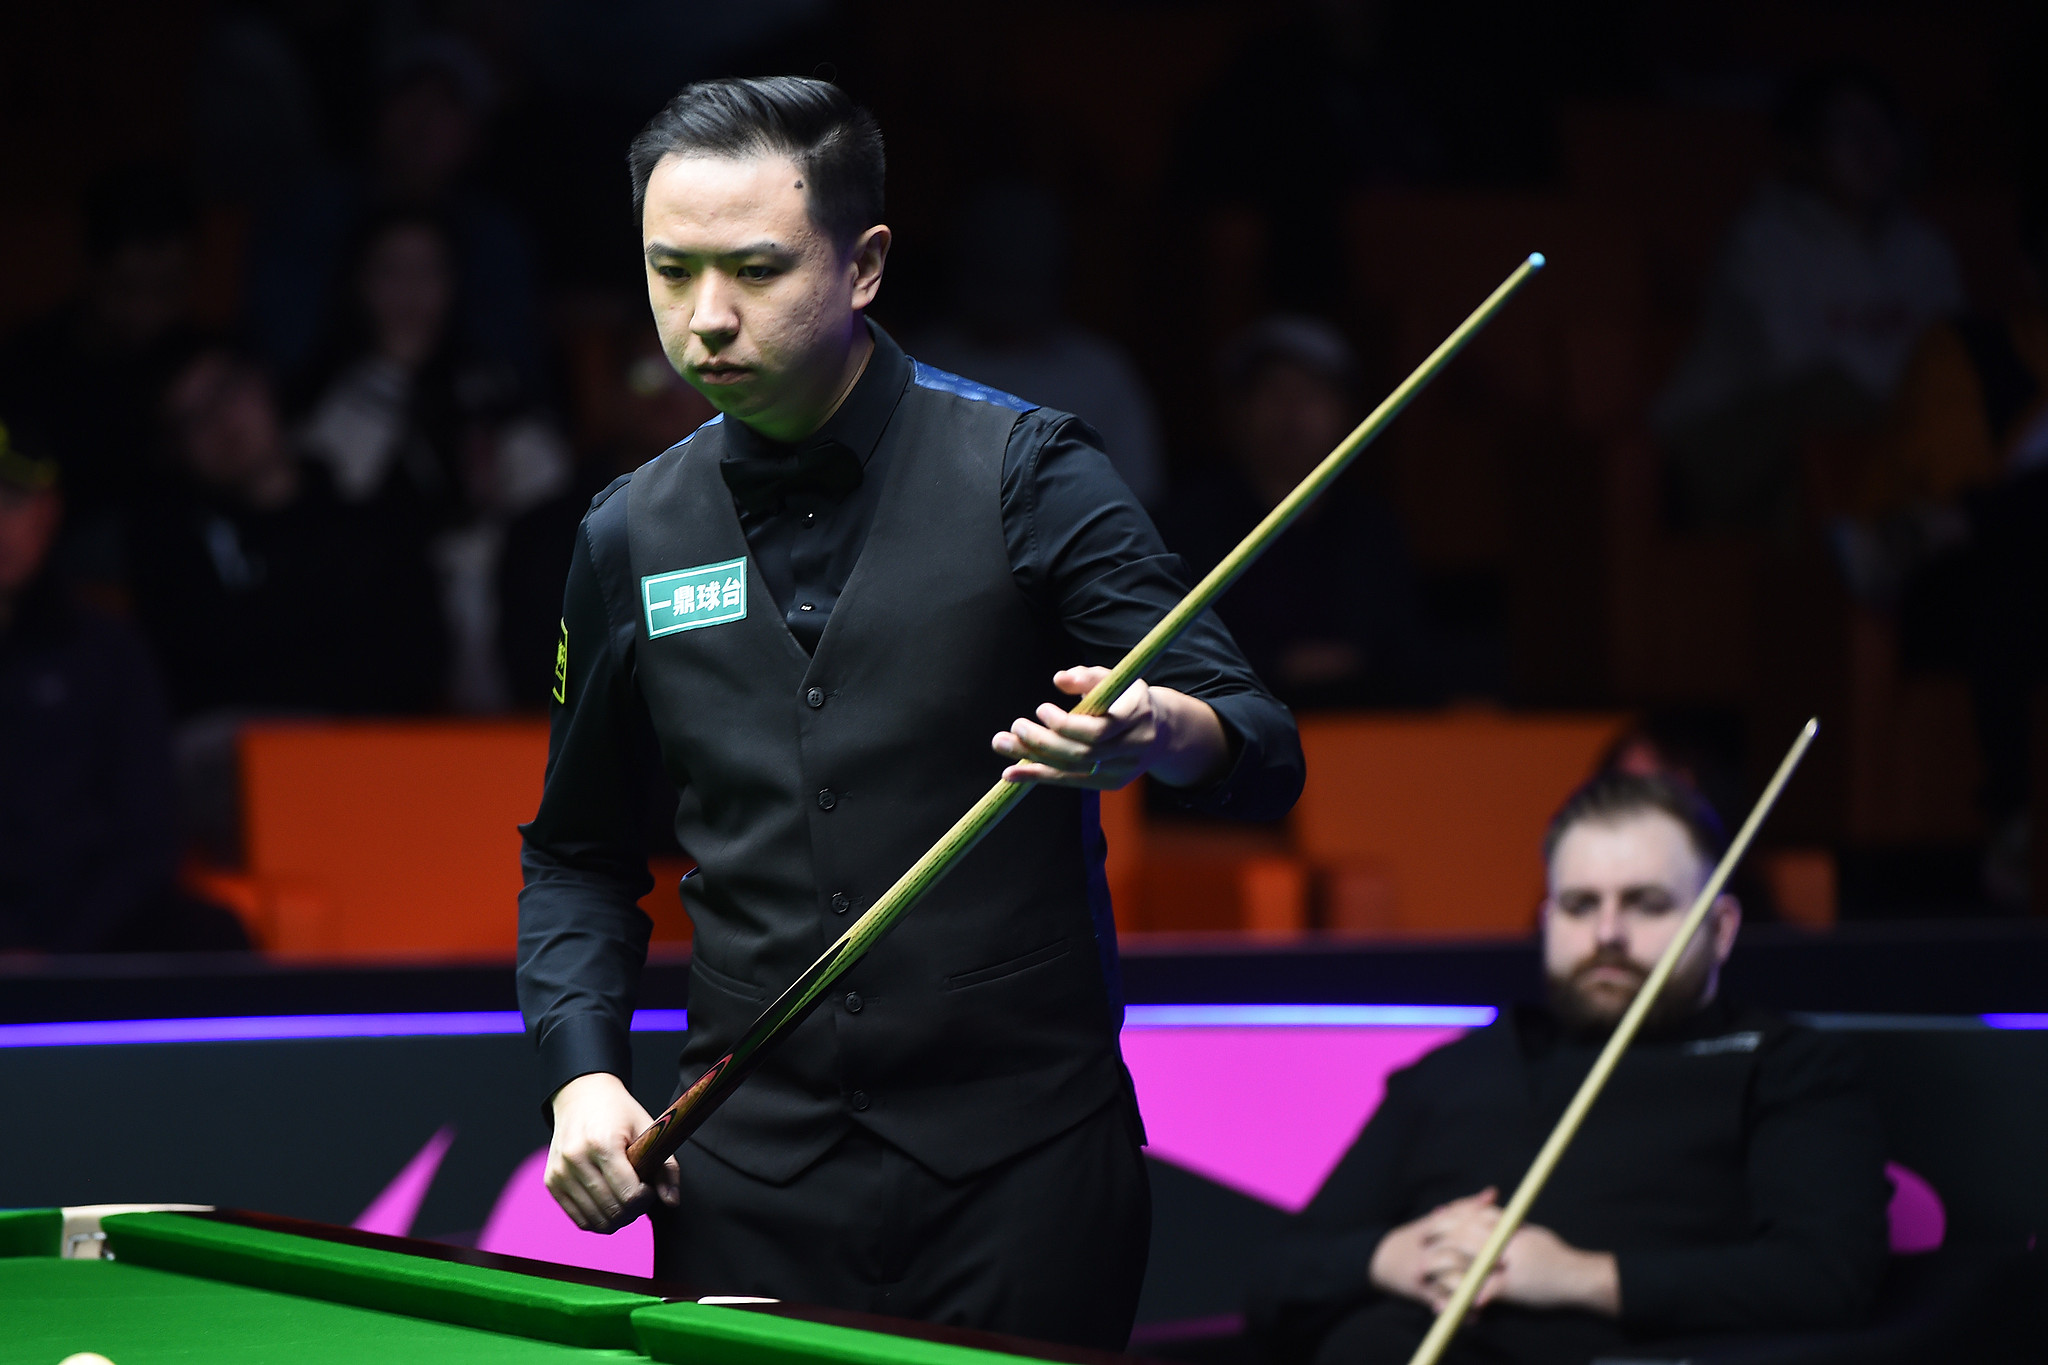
x=664 y=250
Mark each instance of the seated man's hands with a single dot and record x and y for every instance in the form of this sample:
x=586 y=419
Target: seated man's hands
x=1424 y=1260
x=588 y=1173
x=1149 y=729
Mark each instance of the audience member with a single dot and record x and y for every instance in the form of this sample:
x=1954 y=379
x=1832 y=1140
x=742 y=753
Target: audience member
x=641 y=408
x=83 y=383
x=1730 y=1180
x=1325 y=74
x=1823 y=286
x=264 y=590
x=1328 y=615
x=426 y=130
x=407 y=420
x=1949 y=528
x=88 y=839
x=1009 y=260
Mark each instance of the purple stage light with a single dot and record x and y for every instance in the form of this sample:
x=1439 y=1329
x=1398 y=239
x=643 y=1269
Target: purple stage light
x=268 y=1027
x=2016 y=1020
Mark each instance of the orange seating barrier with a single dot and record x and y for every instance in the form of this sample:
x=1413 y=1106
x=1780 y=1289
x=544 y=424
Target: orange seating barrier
x=378 y=839
x=1433 y=824
x=389 y=838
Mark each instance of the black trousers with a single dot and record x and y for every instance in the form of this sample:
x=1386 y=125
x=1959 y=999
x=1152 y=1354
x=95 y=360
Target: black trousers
x=1049 y=1244
x=1386 y=1331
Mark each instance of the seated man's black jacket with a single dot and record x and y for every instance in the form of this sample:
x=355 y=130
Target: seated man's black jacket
x=1733 y=1165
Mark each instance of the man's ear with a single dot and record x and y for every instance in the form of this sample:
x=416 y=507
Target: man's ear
x=869 y=255
x=1727 y=923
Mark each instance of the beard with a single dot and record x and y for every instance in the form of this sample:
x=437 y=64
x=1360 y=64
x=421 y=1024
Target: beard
x=1584 y=1006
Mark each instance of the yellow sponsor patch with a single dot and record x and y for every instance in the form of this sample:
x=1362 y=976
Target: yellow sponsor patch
x=562 y=664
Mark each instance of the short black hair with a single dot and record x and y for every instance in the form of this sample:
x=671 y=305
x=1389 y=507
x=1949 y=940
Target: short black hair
x=836 y=144
x=1612 y=796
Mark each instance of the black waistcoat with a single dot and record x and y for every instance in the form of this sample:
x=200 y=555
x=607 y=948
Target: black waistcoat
x=982 y=1024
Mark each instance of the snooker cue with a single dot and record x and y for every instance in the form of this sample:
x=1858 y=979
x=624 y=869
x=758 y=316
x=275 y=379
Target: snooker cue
x=650 y=1149
x=1460 y=1302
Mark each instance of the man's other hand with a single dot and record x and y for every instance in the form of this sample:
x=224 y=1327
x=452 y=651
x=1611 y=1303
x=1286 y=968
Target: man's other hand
x=1425 y=1259
x=588 y=1174
x=1149 y=729
x=1545 y=1271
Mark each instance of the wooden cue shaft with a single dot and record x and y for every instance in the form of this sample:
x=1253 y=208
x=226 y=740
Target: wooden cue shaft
x=650 y=1149
x=1460 y=1302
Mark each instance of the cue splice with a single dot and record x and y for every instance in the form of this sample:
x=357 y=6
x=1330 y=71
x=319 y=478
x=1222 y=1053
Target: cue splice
x=1517 y=1209
x=650 y=1149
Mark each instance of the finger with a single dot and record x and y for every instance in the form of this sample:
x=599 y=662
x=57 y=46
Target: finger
x=1068 y=725
x=669 y=1183
x=622 y=1182
x=1106 y=779
x=1076 y=682
x=1050 y=746
x=575 y=1202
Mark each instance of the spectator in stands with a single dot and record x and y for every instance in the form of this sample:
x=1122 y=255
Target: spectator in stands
x=1328 y=616
x=83 y=383
x=1731 y=1179
x=1327 y=74
x=1824 y=285
x=1948 y=527
x=410 y=422
x=1009 y=259
x=641 y=408
x=260 y=588
x=433 y=104
x=88 y=842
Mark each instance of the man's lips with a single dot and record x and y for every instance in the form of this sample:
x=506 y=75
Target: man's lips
x=722 y=374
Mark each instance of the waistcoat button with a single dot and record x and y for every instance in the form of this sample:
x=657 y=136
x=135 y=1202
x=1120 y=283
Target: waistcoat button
x=854 y=1003
x=815 y=697
x=827 y=798
x=860 y=1099
x=841 y=902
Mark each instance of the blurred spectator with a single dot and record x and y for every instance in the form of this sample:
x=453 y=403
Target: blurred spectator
x=1949 y=526
x=1323 y=74
x=1826 y=281
x=429 y=122
x=408 y=421
x=641 y=407
x=88 y=843
x=83 y=383
x=1009 y=262
x=255 y=115
x=1328 y=616
x=262 y=590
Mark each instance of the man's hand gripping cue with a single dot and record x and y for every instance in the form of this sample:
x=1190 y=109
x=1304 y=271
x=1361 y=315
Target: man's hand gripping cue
x=588 y=1174
x=1169 y=734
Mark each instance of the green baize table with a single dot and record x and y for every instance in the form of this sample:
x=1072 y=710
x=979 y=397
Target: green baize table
x=236 y=1289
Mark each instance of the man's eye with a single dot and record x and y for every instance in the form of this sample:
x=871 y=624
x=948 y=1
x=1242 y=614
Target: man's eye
x=757 y=273
x=1577 y=905
x=672 y=272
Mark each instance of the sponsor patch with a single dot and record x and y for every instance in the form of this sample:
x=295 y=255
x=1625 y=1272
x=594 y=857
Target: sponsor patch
x=1727 y=1042
x=690 y=599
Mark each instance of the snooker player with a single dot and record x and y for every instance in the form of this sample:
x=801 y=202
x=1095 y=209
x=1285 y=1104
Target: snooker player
x=1730 y=1178
x=816 y=611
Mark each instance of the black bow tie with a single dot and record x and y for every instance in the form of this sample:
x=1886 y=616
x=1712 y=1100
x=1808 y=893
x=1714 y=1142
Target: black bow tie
x=761 y=483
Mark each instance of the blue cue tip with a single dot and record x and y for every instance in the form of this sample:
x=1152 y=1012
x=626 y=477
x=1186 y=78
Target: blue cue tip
x=1535 y=260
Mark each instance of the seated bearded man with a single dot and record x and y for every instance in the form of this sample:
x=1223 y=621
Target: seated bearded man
x=1730 y=1178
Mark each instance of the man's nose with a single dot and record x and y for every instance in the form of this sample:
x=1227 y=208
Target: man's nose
x=712 y=312
x=1607 y=924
